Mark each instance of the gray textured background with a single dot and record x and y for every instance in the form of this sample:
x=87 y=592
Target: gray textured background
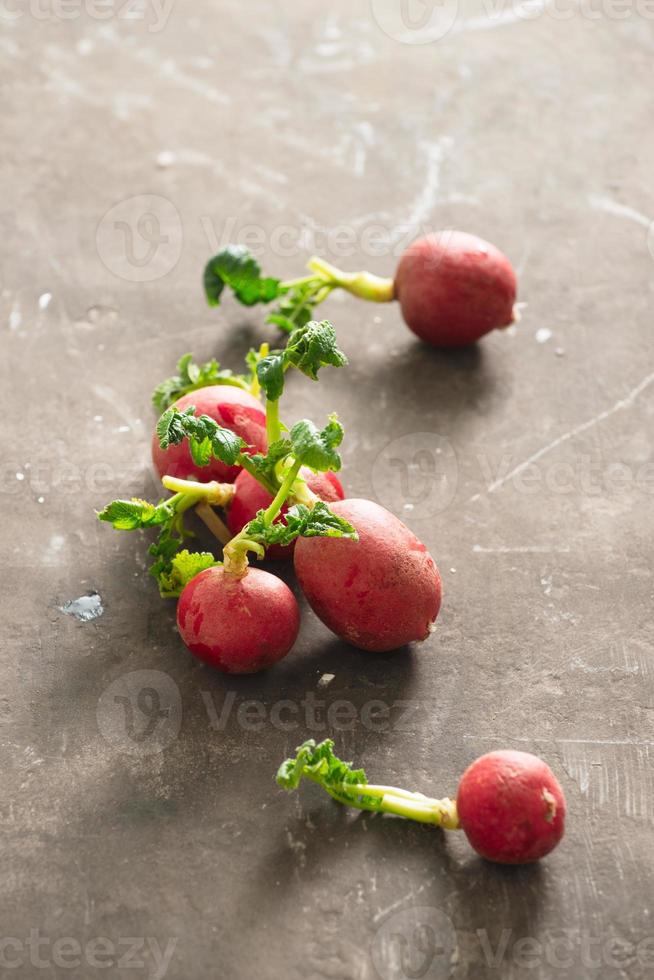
x=293 y=119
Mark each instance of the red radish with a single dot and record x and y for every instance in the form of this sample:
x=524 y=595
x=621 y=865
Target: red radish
x=250 y=497
x=230 y=407
x=378 y=593
x=509 y=804
x=238 y=624
x=453 y=288
x=511 y=807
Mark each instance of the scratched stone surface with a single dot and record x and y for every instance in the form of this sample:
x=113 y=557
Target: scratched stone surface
x=142 y=832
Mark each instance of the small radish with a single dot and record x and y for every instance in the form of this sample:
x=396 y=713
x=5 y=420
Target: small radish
x=233 y=408
x=511 y=807
x=239 y=624
x=452 y=287
x=377 y=593
x=250 y=497
x=509 y=804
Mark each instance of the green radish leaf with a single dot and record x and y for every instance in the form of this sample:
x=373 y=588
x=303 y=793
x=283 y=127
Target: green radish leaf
x=314 y=346
x=206 y=437
x=183 y=567
x=171 y=427
x=317 y=448
x=128 y=515
x=226 y=445
x=236 y=267
x=270 y=372
x=318 y=522
x=319 y=764
x=295 y=308
x=190 y=377
x=201 y=451
x=299 y=521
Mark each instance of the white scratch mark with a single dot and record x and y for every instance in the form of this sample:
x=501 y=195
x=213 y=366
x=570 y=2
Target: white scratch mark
x=400 y=901
x=527 y=549
x=620 y=210
x=621 y=404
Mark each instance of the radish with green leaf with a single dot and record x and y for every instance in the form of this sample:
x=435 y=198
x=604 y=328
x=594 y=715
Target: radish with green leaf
x=509 y=804
x=452 y=287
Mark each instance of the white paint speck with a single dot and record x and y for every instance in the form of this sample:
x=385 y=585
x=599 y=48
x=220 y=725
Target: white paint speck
x=559 y=352
x=408 y=506
x=84 y=609
x=15 y=319
x=44 y=300
x=122 y=428
x=543 y=335
x=40 y=500
x=326 y=680
x=84 y=46
x=166 y=159
x=97 y=418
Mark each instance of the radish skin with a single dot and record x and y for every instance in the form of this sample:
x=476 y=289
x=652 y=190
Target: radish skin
x=511 y=807
x=239 y=625
x=453 y=288
x=250 y=497
x=378 y=593
x=231 y=407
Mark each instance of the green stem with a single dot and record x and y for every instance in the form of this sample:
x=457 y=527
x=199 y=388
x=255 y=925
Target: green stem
x=273 y=422
x=365 y=285
x=413 y=806
x=235 y=553
x=280 y=498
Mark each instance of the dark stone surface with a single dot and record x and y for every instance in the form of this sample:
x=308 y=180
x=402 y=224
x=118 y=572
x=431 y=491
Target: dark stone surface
x=535 y=134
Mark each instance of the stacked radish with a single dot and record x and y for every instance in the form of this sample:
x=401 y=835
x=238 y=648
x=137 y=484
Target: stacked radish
x=364 y=573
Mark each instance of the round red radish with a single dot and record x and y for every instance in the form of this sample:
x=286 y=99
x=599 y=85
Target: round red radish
x=231 y=407
x=453 y=288
x=239 y=625
x=378 y=593
x=511 y=807
x=250 y=497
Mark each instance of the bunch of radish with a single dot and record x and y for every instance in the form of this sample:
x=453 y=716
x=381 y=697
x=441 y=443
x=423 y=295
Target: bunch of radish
x=509 y=804
x=266 y=489
x=218 y=447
